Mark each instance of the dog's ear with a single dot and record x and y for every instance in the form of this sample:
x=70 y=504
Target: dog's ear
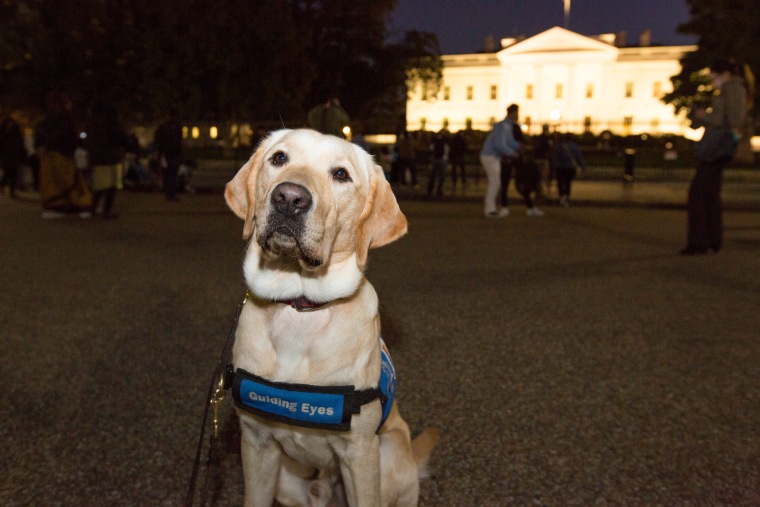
x=381 y=220
x=239 y=193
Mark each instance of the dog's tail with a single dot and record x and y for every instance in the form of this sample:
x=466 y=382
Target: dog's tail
x=422 y=447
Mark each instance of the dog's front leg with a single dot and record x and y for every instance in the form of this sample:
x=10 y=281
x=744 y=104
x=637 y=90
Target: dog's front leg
x=261 y=456
x=360 y=467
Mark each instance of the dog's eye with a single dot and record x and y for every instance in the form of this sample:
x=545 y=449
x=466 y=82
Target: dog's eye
x=341 y=174
x=279 y=158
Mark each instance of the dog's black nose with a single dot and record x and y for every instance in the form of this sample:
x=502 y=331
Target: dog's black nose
x=291 y=199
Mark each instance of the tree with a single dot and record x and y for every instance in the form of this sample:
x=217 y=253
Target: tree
x=725 y=29
x=239 y=60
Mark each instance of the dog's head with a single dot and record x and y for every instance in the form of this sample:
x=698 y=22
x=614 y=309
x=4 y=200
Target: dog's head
x=310 y=201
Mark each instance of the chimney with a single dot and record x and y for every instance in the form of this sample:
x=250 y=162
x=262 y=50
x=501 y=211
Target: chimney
x=620 y=39
x=490 y=44
x=645 y=38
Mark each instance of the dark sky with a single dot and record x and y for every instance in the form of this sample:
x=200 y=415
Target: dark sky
x=463 y=25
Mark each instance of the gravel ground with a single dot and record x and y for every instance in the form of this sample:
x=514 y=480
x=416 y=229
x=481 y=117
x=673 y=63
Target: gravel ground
x=573 y=359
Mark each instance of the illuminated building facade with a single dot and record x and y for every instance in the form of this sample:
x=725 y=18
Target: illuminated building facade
x=566 y=80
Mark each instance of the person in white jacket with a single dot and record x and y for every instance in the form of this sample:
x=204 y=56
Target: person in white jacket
x=499 y=143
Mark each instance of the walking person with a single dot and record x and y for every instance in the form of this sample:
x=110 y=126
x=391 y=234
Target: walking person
x=527 y=180
x=406 y=148
x=12 y=154
x=106 y=143
x=715 y=150
x=439 y=150
x=168 y=143
x=566 y=163
x=499 y=143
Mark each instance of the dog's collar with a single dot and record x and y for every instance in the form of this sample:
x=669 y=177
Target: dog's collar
x=303 y=304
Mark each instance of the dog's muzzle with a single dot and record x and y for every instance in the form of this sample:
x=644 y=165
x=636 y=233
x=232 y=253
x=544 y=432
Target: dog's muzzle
x=290 y=204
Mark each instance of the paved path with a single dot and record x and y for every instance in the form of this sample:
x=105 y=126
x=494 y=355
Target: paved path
x=573 y=359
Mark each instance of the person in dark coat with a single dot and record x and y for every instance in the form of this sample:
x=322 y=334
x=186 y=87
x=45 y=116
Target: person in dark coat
x=168 y=142
x=106 y=143
x=12 y=154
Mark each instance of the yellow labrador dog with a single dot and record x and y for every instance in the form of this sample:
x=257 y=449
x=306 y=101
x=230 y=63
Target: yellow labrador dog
x=312 y=380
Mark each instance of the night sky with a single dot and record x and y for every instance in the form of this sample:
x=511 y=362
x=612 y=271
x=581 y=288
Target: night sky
x=463 y=26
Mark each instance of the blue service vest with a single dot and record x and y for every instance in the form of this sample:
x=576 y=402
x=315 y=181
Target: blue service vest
x=309 y=406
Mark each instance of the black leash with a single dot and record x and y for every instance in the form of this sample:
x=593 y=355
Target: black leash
x=219 y=383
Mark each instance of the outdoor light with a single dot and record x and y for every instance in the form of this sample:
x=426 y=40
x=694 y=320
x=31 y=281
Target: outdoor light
x=347 y=131
x=555 y=115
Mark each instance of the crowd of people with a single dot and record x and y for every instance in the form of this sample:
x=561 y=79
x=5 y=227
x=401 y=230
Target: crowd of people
x=77 y=169
x=506 y=155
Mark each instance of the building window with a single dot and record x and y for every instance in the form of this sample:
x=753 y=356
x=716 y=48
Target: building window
x=629 y=89
x=446 y=92
x=587 y=124
x=491 y=121
x=528 y=122
x=469 y=93
x=589 y=90
x=558 y=91
x=627 y=123
x=445 y=123
x=528 y=91
x=468 y=123
x=657 y=89
x=423 y=91
x=655 y=125
x=493 y=92
x=423 y=123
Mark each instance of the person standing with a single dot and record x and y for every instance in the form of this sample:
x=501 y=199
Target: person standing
x=439 y=151
x=329 y=117
x=12 y=154
x=499 y=143
x=63 y=190
x=168 y=141
x=723 y=121
x=566 y=163
x=457 y=152
x=406 y=149
x=106 y=143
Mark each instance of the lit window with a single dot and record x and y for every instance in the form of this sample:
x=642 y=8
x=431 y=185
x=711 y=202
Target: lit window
x=196 y=132
x=213 y=132
x=469 y=93
x=589 y=90
x=655 y=125
x=446 y=92
x=529 y=91
x=185 y=132
x=445 y=123
x=491 y=121
x=587 y=124
x=424 y=92
x=558 y=91
x=423 y=123
x=629 y=89
x=657 y=89
x=528 y=121
x=627 y=123
x=468 y=123
x=493 y=92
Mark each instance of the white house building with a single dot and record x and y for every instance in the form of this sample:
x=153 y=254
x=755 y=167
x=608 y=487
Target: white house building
x=560 y=78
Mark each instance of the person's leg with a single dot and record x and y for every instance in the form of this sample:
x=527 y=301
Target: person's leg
x=696 y=239
x=714 y=207
x=505 y=176
x=491 y=167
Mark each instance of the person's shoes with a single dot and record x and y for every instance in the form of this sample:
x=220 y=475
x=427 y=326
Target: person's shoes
x=49 y=214
x=534 y=212
x=690 y=250
x=564 y=201
x=503 y=212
